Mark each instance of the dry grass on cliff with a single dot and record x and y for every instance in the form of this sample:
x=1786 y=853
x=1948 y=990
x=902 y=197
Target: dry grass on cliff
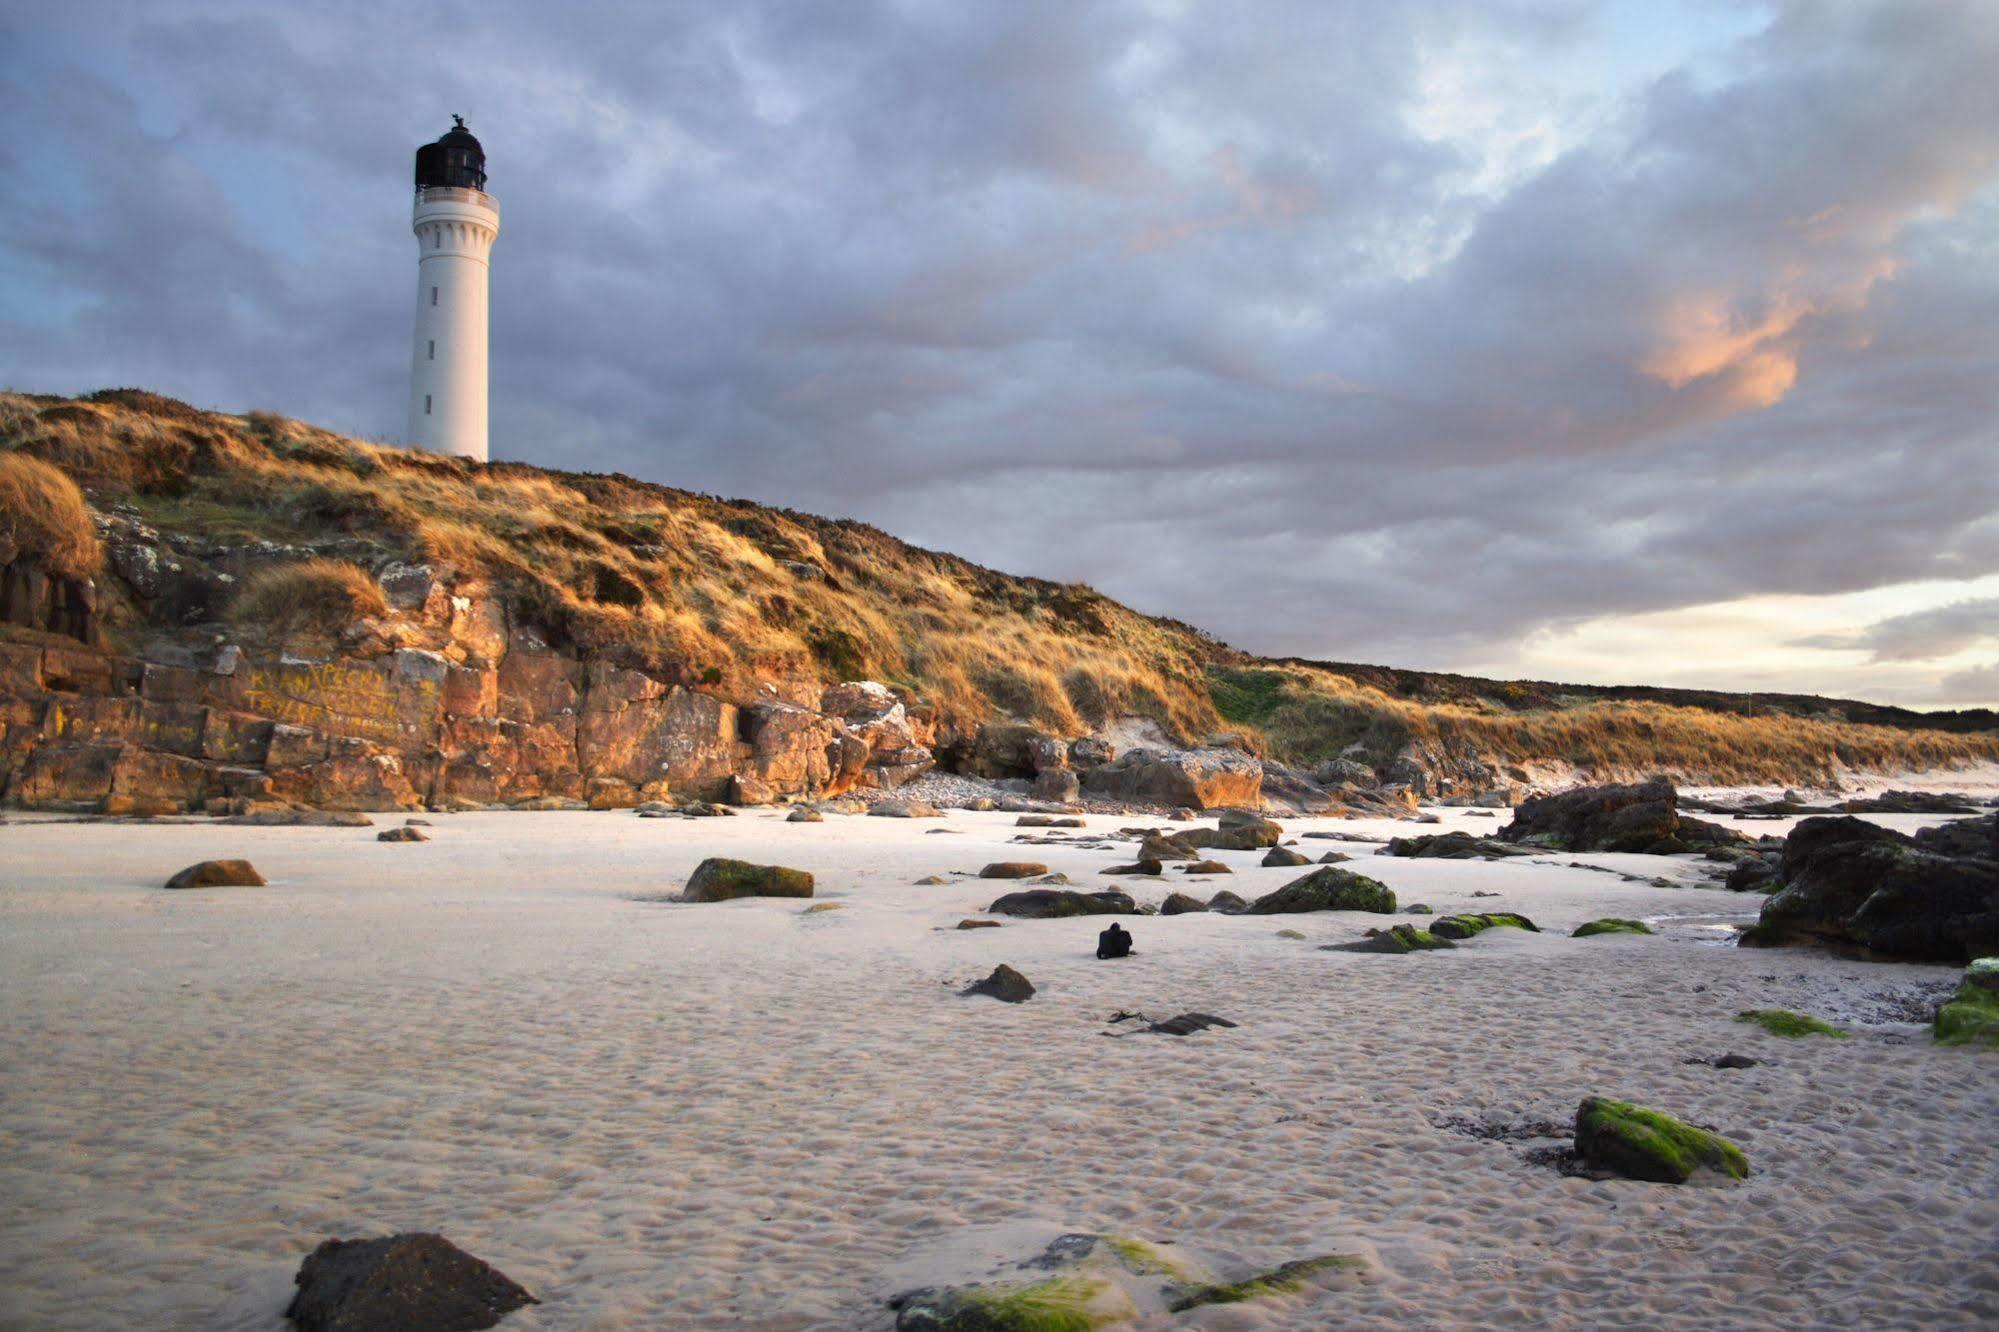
x=309 y=601
x=725 y=595
x=43 y=516
x=1308 y=715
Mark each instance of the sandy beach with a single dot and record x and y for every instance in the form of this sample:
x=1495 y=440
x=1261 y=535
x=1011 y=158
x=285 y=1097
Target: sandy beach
x=665 y=1115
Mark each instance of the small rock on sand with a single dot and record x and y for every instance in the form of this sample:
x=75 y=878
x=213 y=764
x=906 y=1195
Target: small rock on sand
x=1012 y=869
x=219 y=874
x=1004 y=984
x=978 y=924
x=804 y=814
x=415 y=1280
x=403 y=834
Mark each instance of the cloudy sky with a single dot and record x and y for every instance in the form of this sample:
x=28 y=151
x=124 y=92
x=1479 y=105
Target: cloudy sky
x=1649 y=342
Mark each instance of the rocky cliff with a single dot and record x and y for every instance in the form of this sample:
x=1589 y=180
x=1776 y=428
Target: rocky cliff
x=204 y=611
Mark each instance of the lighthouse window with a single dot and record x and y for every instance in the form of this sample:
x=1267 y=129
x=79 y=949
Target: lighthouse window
x=426 y=404
x=433 y=295
x=433 y=349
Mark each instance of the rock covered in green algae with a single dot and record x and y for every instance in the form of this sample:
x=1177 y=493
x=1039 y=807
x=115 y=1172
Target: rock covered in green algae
x=1279 y=1280
x=1611 y=925
x=1783 y=1022
x=1465 y=926
x=1394 y=939
x=1638 y=1143
x=1971 y=1016
x=717 y=879
x=1328 y=889
x=1086 y=1281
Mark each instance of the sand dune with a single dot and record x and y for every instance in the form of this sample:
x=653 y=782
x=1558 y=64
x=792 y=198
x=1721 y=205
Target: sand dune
x=737 y=1115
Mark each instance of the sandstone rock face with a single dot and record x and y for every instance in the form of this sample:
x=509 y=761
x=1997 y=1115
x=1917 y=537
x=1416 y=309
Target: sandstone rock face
x=415 y=1280
x=1857 y=887
x=1197 y=779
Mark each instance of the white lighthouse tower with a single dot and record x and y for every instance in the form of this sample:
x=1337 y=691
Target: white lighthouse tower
x=456 y=222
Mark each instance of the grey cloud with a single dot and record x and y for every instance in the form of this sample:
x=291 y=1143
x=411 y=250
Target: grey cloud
x=1158 y=300
x=1922 y=635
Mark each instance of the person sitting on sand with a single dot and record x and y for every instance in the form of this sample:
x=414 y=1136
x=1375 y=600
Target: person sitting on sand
x=1114 y=942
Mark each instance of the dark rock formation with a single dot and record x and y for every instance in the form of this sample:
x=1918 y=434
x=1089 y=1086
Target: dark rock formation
x=1453 y=846
x=402 y=834
x=1227 y=903
x=1058 y=903
x=1205 y=867
x=1860 y=888
x=1327 y=889
x=401 y=1283
x=1281 y=857
x=1396 y=939
x=1180 y=904
x=1236 y=830
x=218 y=874
x=1005 y=984
x=1642 y=817
x=718 y=879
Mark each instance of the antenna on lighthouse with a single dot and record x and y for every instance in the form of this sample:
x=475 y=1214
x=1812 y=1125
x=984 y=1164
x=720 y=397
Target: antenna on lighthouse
x=456 y=222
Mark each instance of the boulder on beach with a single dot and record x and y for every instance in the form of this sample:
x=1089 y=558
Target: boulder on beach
x=1466 y=925
x=1236 y=830
x=1187 y=1024
x=1452 y=846
x=1860 y=888
x=1047 y=821
x=1334 y=858
x=408 y=1281
x=804 y=814
x=218 y=874
x=1154 y=846
x=1060 y=903
x=1641 y=817
x=1638 y=1143
x=1227 y=903
x=1282 y=857
x=974 y=924
x=402 y=834
x=1143 y=865
x=1610 y=925
x=1205 y=867
x=718 y=879
x=931 y=881
x=1013 y=869
x=1180 y=904
x=1327 y=889
x=1005 y=984
x=1194 y=779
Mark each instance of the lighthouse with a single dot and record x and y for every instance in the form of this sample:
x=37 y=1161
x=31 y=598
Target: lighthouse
x=456 y=222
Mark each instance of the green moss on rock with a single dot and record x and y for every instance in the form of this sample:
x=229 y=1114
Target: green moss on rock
x=1611 y=925
x=1971 y=1016
x=1633 y=1141
x=717 y=879
x=1783 y=1022
x=1465 y=926
x=1328 y=889
x=1277 y=1281
x=1059 y=1304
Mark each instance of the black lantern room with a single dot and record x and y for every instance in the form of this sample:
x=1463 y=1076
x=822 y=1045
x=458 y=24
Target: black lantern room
x=456 y=160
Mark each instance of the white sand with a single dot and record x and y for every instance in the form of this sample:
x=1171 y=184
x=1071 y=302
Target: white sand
x=673 y=1116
